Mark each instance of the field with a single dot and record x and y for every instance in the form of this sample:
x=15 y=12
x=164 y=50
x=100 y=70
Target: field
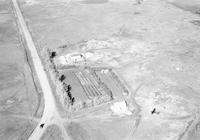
x=113 y=83
x=77 y=89
x=21 y=101
x=152 y=46
x=89 y=83
x=102 y=129
x=86 y=87
x=53 y=132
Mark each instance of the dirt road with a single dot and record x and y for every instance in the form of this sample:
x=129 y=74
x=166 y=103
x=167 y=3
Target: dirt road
x=50 y=114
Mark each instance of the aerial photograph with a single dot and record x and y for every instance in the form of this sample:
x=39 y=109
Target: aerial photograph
x=100 y=70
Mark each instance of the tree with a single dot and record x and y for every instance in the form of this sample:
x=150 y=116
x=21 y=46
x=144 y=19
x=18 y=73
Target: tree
x=69 y=88
x=52 y=54
x=72 y=101
x=62 y=78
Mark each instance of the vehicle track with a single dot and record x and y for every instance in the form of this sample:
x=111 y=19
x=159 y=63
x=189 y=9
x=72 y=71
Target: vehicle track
x=50 y=114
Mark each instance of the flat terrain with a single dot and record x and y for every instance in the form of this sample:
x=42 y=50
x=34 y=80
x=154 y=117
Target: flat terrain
x=53 y=132
x=153 y=46
x=20 y=100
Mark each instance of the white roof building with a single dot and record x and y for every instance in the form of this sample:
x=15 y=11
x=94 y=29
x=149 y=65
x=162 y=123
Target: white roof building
x=71 y=59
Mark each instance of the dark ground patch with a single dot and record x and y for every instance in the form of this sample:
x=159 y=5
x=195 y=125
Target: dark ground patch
x=196 y=22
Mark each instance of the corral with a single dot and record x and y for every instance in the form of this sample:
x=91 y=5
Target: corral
x=85 y=85
x=108 y=77
x=91 y=86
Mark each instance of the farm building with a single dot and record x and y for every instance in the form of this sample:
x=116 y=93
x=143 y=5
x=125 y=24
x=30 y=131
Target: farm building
x=71 y=59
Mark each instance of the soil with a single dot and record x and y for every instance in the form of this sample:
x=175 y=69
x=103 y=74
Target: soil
x=20 y=102
x=52 y=133
x=153 y=46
